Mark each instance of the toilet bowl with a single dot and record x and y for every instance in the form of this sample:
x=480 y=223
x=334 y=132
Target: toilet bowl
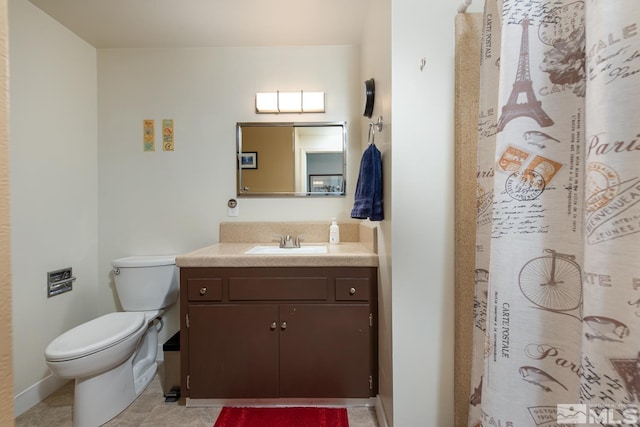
x=113 y=357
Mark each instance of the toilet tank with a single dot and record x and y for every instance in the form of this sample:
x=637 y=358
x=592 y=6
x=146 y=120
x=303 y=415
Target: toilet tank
x=146 y=282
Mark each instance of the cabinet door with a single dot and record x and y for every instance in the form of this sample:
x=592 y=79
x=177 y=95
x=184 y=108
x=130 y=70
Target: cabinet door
x=325 y=350
x=233 y=351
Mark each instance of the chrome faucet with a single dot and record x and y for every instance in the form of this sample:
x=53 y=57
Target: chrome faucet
x=299 y=238
x=287 y=242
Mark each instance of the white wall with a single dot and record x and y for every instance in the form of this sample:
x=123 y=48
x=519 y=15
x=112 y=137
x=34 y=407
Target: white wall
x=422 y=211
x=6 y=353
x=53 y=177
x=173 y=202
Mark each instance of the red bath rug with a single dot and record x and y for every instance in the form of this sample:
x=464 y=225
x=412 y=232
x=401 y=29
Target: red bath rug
x=282 y=417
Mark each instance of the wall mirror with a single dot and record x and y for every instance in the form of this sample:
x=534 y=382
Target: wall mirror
x=291 y=159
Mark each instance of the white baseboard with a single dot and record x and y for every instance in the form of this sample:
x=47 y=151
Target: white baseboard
x=35 y=394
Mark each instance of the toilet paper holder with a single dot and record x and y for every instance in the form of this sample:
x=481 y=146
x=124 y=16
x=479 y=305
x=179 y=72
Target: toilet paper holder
x=59 y=281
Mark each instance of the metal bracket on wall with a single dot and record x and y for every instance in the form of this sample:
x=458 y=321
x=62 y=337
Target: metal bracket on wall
x=373 y=128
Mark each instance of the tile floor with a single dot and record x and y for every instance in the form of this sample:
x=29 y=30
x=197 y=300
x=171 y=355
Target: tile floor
x=149 y=410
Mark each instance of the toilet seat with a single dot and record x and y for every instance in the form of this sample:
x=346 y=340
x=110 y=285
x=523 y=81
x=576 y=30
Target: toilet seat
x=95 y=335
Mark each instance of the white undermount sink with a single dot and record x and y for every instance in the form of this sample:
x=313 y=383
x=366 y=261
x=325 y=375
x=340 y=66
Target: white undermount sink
x=276 y=250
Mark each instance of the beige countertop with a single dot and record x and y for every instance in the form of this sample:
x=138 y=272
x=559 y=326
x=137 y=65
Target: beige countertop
x=347 y=254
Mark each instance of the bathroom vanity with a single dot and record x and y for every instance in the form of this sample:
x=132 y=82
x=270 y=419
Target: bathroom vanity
x=278 y=327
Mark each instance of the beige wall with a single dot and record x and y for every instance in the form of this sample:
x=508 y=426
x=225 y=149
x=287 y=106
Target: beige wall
x=6 y=371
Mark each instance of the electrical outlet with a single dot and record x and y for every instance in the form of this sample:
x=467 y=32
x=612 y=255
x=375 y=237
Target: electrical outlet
x=232 y=207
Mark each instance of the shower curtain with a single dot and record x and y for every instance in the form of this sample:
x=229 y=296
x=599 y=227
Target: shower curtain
x=556 y=333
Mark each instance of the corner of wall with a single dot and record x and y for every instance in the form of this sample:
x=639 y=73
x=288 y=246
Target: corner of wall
x=6 y=363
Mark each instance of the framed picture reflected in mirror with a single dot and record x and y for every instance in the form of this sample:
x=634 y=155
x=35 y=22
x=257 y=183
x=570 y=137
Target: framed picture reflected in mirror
x=249 y=160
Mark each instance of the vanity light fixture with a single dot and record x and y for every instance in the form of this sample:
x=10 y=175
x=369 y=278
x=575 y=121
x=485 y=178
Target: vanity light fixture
x=290 y=102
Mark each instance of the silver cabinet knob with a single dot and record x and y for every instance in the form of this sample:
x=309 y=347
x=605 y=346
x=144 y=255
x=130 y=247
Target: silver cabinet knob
x=203 y=291
x=274 y=325
x=352 y=291
x=283 y=326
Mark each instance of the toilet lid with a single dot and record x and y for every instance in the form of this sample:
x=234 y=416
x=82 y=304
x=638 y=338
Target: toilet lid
x=94 y=335
x=144 y=261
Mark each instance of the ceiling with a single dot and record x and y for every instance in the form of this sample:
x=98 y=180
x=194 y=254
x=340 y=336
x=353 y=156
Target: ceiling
x=196 y=23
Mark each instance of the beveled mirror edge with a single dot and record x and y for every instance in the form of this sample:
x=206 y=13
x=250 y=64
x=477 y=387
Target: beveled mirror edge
x=239 y=187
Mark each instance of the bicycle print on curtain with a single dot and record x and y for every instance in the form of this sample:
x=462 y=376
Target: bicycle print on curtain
x=557 y=292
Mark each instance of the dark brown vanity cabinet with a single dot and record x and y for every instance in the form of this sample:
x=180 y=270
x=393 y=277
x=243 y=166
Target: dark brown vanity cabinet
x=267 y=332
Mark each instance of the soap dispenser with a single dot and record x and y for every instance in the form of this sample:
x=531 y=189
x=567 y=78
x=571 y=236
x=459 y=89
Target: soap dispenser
x=334 y=232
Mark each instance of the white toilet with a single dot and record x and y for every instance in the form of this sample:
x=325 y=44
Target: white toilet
x=113 y=358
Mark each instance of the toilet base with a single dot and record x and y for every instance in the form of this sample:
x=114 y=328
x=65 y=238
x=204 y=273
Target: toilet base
x=100 y=398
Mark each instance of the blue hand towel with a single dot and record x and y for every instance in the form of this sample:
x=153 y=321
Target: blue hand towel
x=368 y=196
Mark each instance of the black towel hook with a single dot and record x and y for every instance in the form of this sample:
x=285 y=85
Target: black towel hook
x=373 y=127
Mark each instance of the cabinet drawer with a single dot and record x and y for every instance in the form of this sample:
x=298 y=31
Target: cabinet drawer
x=277 y=288
x=208 y=289
x=355 y=289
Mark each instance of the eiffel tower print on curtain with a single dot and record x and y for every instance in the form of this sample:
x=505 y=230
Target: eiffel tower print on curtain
x=523 y=87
